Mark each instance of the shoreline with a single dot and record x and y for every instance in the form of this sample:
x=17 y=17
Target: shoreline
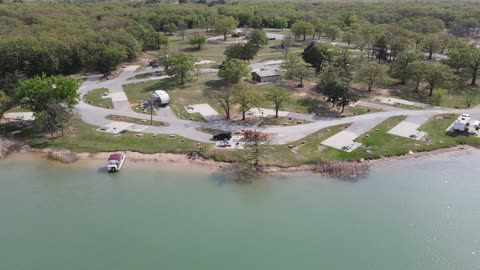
x=183 y=161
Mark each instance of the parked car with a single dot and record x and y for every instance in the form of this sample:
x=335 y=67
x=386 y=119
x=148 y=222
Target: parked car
x=222 y=136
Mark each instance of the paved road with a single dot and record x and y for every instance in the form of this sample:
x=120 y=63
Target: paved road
x=189 y=129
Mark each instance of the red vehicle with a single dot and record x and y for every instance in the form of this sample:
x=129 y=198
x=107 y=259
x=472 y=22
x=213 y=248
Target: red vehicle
x=251 y=135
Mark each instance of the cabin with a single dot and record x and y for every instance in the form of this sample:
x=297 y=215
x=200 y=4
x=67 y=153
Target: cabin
x=461 y=124
x=160 y=97
x=263 y=76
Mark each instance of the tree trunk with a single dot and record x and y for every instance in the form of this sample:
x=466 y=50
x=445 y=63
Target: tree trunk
x=370 y=88
x=430 y=54
x=304 y=36
x=243 y=115
x=182 y=79
x=417 y=87
x=314 y=34
x=474 y=78
x=301 y=82
x=225 y=36
x=431 y=91
x=343 y=107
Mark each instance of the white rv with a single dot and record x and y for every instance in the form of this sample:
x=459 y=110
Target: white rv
x=461 y=124
x=161 y=97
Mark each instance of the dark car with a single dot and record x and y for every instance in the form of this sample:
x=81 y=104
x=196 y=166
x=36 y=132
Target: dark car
x=222 y=136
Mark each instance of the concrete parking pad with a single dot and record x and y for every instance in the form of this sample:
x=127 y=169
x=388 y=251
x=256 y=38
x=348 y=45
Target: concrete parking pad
x=261 y=112
x=19 y=116
x=205 y=110
x=117 y=96
x=344 y=141
x=132 y=68
x=409 y=127
x=393 y=101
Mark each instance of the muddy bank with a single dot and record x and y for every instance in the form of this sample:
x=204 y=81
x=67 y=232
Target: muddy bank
x=342 y=169
x=8 y=146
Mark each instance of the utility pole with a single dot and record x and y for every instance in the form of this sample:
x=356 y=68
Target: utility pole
x=151 y=111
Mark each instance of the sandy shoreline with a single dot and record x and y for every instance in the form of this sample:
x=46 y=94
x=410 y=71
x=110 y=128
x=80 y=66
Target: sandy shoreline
x=183 y=161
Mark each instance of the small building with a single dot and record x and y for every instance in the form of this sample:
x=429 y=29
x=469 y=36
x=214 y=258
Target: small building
x=263 y=76
x=161 y=97
x=461 y=124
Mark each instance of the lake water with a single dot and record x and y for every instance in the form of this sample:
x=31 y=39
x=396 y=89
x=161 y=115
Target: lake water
x=413 y=214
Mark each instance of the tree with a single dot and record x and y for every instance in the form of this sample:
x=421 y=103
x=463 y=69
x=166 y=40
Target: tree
x=302 y=28
x=468 y=59
x=6 y=103
x=108 y=57
x=258 y=38
x=416 y=72
x=182 y=26
x=287 y=42
x=431 y=44
x=438 y=96
x=224 y=98
x=224 y=25
x=437 y=75
x=245 y=97
x=244 y=52
x=234 y=70
x=170 y=28
x=371 y=75
x=345 y=98
x=180 y=65
x=253 y=155
x=52 y=99
x=318 y=54
x=278 y=96
x=198 y=41
x=402 y=62
x=36 y=93
x=332 y=83
x=332 y=31
x=296 y=68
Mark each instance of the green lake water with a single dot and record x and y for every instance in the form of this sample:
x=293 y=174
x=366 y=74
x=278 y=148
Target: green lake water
x=404 y=215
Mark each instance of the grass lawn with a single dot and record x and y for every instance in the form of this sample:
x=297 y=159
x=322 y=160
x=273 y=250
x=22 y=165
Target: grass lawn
x=94 y=97
x=358 y=110
x=135 y=120
x=454 y=98
x=210 y=51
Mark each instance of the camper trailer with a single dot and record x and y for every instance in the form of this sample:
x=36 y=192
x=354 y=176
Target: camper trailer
x=160 y=97
x=461 y=124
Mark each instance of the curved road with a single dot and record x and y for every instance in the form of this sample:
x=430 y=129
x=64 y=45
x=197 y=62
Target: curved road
x=189 y=129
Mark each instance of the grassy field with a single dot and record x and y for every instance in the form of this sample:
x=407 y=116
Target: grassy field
x=135 y=120
x=94 y=97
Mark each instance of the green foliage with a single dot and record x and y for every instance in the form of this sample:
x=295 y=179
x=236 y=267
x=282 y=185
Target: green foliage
x=245 y=97
x=302 y=28
x=241 y=51
x=437 y=75
x=371 y=75
x=40 y=91
x=437 y=97
x=296 y=68
x=198 y=41
x=258 y=38
x=318 y=55
x=180 y=65
x=224 y=25
x=278 y=96
x=234 y=70
x=467 y=59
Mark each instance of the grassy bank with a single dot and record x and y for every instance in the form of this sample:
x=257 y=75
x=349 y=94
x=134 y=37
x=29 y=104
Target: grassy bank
x=94 y=97
x=82 y=137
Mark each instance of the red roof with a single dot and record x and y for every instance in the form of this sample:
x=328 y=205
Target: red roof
x=115 y=157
